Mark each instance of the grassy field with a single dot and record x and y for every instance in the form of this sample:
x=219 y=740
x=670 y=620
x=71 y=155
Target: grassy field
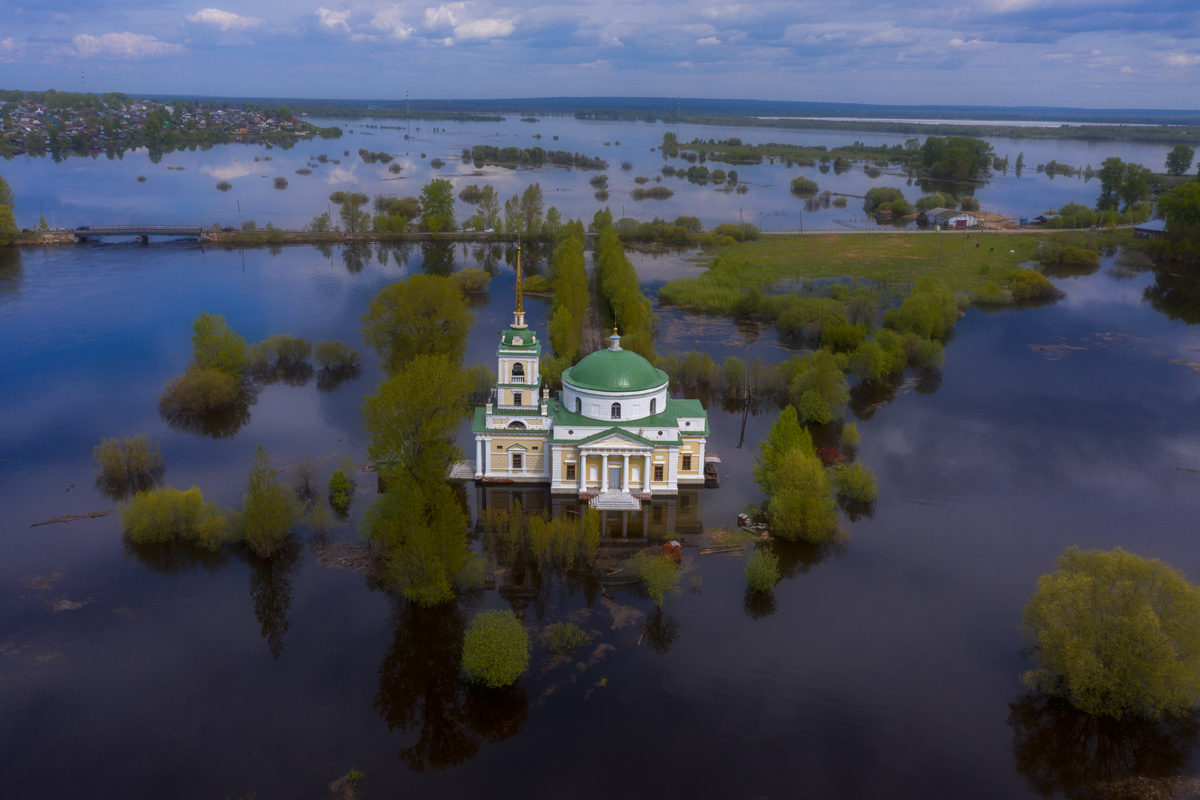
x=962 y=262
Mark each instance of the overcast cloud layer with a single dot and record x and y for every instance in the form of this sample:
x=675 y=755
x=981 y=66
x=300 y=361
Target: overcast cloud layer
x=1090 y=53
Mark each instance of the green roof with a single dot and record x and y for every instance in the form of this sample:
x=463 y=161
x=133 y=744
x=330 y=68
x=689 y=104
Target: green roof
x=528 y=339
x=614 y=371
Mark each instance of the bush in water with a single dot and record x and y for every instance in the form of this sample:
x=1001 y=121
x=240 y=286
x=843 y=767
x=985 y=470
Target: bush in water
x=495 y=649
x=198 y=391
x=762 y=570
x=166 y=515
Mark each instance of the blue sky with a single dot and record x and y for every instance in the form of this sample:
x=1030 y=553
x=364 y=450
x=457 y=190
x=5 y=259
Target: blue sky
x=1080 y=53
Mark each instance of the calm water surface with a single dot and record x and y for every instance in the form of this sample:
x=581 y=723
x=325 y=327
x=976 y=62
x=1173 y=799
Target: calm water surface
x=181 y=188
x=886 y=667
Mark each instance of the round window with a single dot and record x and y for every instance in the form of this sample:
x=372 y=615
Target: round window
x=688 y=424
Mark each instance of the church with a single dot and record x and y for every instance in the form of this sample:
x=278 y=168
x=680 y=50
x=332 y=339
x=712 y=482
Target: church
x=613 y=435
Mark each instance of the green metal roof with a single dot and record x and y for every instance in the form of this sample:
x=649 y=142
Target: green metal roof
x=528 y=339
x=614 y=371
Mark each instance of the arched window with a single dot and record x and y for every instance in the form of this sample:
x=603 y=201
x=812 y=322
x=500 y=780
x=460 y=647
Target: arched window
x=578 y=405
x=517 y=424
x=518 y=373
x=653 y=405
x=616 y=411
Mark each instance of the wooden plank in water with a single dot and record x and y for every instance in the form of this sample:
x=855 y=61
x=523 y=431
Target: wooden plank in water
x=720 y=548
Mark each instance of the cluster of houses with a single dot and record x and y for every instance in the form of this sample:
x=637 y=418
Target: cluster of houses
x=30 y=125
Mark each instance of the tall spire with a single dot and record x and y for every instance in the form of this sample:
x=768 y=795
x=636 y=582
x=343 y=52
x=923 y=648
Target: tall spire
x=519 y=314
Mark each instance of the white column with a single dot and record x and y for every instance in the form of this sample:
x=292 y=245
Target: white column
x=487 y=455
x=646 y=473
x=581 y=465
x=604 y=473
x=625 y=474
x=478 y=458
x=701 y=458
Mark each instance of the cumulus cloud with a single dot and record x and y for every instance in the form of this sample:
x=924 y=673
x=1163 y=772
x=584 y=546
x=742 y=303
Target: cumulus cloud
x=122 y=45
x=1179 y=60
x=225 y=20
x=334 y=20
x=709 y=40
x=442 y=16
x=390 y=20
x=485 y=29
x=970 y=45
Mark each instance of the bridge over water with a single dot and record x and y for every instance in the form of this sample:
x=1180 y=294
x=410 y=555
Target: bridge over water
x=143 y=232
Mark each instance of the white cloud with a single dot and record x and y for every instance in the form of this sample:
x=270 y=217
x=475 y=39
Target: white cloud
x=887 y=36
x=225 y=20
x=442 y=16
x=709 y=40
x=390 y=20
x=485 y=29
x=122 y=45
x=970 y=45
x=1179 y=60
x=60 y=17
x=230 y=171
x=334 y=19
x=1127 y=69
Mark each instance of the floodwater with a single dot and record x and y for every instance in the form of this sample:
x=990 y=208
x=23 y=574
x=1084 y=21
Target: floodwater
x=181 y=188
x=887 y=666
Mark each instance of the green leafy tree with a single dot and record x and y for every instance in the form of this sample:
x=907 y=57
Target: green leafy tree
x=414 y=416
x=489 y=208
x=6 y=193
x=354 y=218
x=1135 y=186
x=1116 y=634
x=1180 y=207
x=802 y=506
x=661 y=575
x=819 y=388
x=269 y=508
x=1179 y=160
x=437 y=206
x=216 y=346
x=786 y=435
x=532 y=203
x=762 y=570
x=553 y=224
x=495 y=649
x=422 y=315
x=8 y=226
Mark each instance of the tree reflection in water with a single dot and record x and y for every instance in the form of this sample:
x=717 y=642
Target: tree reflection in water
x=175 y=558
x=759 y=605
x=438 y=258
x=1060 y=750
x=1176 y=294
x=271 y=589
x=660 y=630
x=223 y=423
x=10 y=269
x=421 y=689
x=355 y=257
x=328 y=380
x=121 y=489
x=797 y=558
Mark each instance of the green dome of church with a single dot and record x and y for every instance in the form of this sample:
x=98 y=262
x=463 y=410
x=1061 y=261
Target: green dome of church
x=614 y=370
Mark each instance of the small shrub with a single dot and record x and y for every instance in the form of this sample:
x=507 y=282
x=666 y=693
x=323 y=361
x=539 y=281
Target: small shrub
x=856 y=483
x=224 y=186
x=850 y=434
x=762 y=570
x=337 y=355
x=353 y=777
x=802 y=185
x=660 y=575
x=141 y=178
x=286 y=350
x=199 y=391
x=991 y=293
x=166 y=515
x=340 y=491
x=437 y=163
x=472 y=279
x=640 y=179
x=130 y=459
x=281 y=182
x=566 y=637
x=268 y=508
x=471 y=193
x=1027 y=284
x=495 y=649
x=304 y=171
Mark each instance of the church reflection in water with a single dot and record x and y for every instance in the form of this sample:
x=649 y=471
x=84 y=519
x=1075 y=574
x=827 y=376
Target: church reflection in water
x=664 y=517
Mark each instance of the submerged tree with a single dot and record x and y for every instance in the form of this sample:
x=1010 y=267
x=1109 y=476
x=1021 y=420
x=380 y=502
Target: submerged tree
x=423 y=315
x=1116 y=634
x=269 y=508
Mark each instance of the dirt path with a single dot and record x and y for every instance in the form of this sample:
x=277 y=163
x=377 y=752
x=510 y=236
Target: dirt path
x=593 y=337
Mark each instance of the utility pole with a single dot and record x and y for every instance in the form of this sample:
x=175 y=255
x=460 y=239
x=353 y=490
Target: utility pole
x=240 y=223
